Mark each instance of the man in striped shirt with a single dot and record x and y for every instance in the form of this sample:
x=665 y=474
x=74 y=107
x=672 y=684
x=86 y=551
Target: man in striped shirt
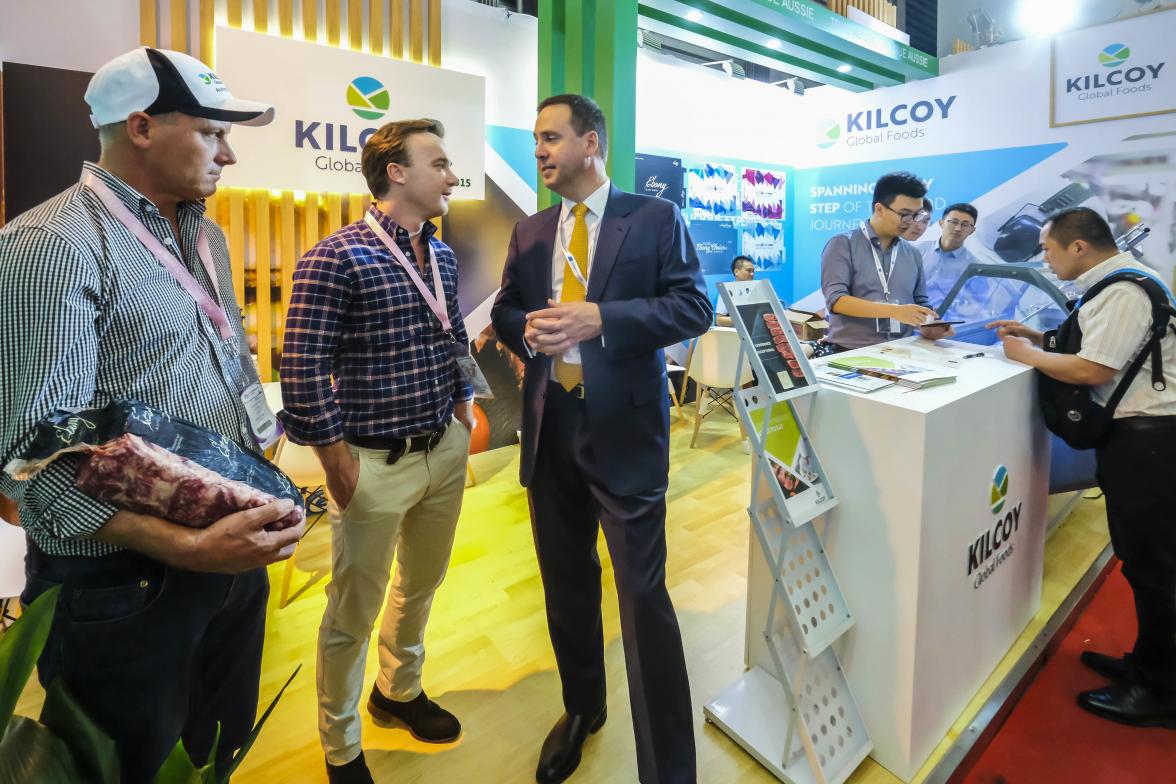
x=375 y=307
x=1134 y=463
x=158 y=629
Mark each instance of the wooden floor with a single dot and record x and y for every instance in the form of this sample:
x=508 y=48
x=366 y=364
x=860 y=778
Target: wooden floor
x=489 y=659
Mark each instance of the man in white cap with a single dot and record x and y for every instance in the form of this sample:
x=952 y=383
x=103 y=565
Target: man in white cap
x=120 y=287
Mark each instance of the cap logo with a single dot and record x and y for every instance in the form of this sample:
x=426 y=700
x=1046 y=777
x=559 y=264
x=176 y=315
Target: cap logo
x=212 y=80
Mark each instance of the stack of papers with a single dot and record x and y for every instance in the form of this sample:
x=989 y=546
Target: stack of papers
x=904 y=374
x=851 y=379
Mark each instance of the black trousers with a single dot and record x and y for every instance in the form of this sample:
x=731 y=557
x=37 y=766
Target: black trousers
x=1136 y=471
x=569 y=505
x=154 y=654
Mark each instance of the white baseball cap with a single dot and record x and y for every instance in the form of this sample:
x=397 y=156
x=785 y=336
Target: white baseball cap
x=157 y=81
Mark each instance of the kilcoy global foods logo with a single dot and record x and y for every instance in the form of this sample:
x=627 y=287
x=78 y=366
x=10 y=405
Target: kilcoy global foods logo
x=368 y=98
x=995 y=544
x=899 y=122
x=1000 y=489
x=1117 y=78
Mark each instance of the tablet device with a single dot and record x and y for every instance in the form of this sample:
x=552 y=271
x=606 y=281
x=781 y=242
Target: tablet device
x=941 y=323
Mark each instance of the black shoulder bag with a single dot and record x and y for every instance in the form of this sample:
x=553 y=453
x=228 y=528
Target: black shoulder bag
x=1069 y=409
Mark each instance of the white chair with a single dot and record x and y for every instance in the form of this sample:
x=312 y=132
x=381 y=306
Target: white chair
x=671 y=369
x=12 y=569
x=712 y=365
x=302 y=465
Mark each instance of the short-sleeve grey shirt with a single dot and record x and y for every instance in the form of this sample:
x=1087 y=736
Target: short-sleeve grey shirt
x=847 y=267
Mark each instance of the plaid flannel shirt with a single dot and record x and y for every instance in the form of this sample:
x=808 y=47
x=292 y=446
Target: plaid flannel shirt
x=356 y=315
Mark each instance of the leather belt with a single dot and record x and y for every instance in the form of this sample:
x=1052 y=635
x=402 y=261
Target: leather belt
x=1139 y=424
x=399 y=447
x=577 y=391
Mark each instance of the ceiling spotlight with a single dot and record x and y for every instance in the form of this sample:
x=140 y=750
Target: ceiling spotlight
x=1038 y=18
x=694 y=16
x=730 y=67
x=774 y=43
x=792 y=84
x=843 y=68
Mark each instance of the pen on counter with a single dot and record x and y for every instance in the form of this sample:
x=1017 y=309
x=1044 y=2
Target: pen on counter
x=970 y=356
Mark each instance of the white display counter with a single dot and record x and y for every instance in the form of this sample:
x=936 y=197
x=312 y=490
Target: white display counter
x=940 y=574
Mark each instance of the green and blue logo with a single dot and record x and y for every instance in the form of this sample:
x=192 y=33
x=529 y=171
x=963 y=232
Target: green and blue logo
x=368 y=98
x=829 y=134
x=1114 y=55
x=1000 y=489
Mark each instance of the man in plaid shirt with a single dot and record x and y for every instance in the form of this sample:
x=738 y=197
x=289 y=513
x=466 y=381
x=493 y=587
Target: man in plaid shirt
x=375 y=307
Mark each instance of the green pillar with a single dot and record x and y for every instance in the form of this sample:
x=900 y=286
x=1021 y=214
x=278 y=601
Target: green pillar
x=590 y=47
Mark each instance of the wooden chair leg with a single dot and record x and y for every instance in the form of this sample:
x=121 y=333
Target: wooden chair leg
x=677 y=400
x=686 y=374
x=699 y=412
x=287 y=574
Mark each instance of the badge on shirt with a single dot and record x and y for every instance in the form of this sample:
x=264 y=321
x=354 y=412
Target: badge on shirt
x=470 y=372
x=263 y=425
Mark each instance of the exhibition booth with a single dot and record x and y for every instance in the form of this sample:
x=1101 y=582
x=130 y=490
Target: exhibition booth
x=896 y=539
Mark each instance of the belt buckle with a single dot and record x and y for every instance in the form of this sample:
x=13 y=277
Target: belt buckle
x=394 y=458
x=435 y=439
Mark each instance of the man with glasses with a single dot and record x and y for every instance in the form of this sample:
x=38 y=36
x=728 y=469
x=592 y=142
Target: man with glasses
x=872 y=279
x=946 y=259
x=918 y=226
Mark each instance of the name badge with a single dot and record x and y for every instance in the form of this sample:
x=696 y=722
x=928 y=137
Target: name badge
x=263 y=425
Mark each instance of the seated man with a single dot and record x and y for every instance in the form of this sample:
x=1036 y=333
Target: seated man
x=743 y=268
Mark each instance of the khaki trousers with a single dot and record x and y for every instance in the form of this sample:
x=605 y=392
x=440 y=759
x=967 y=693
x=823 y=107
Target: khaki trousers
x=410 y=510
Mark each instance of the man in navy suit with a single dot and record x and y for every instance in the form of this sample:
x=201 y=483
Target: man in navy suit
x=592 y=290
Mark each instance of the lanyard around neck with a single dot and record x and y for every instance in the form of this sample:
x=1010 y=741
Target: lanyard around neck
x=216 y=313
x=434 y=299
x=883 y=278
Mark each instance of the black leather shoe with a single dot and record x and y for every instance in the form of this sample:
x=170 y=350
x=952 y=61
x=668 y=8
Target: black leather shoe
x=354 y=772
x=426 y=720
x=1130 y=703
x=1111 y=667
x=561 y=749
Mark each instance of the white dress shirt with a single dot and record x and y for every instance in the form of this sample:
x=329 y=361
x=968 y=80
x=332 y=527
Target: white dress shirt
x=563 y=237
x=1114 y=326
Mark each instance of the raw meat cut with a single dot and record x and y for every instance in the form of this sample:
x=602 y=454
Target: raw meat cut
x=137 y=475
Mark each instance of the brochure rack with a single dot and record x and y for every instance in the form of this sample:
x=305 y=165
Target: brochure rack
x=795 y=713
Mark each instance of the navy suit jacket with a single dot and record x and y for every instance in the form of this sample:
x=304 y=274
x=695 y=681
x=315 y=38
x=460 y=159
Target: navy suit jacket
x=646 y=278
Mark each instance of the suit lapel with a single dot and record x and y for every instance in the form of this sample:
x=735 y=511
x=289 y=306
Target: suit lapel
x=545 y=248
x=614 y=225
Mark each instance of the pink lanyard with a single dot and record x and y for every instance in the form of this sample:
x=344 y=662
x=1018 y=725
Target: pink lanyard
x=435 y=301
x=216 y=314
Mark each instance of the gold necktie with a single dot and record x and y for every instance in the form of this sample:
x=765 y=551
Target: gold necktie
x=569 y=374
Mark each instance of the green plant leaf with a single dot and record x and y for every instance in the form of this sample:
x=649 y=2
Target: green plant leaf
x=92 y=749
x=19 y=648
x=215 y=744
x=178 y=768
x=30 y=752
x=248 y=744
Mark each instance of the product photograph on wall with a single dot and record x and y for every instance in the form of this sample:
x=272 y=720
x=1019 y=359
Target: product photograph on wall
x=712 y=191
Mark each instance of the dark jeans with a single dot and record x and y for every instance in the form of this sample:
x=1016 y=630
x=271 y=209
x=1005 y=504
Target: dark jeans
x=1135 y=470
x=154 y=654
x=569 y=505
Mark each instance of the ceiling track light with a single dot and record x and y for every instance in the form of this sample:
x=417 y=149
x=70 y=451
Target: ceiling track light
x=730 y=67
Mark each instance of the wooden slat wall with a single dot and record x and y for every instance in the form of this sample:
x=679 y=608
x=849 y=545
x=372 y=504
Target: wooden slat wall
x=269 y=231
x=959 y=46
x=882 y=10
